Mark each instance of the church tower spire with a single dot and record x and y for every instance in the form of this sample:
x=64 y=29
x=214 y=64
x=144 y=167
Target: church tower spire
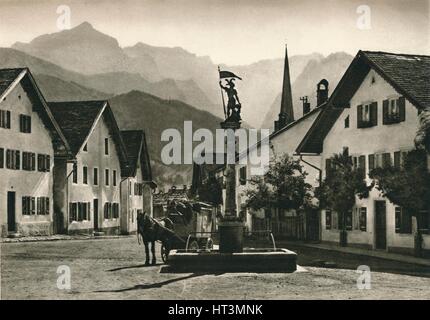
x=286 y=114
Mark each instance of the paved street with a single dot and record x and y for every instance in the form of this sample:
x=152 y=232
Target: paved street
x=113 y=269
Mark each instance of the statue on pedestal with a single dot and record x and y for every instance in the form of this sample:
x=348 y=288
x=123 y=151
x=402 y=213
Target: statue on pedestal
x=232 y=113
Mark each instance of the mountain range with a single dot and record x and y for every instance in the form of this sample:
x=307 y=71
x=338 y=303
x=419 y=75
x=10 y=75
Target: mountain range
x=170 y=73
x=154 y=87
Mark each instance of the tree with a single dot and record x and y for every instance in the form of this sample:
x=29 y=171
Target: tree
x=340 y=187
x=211 y=191
x=407 y=187
x=422 y=139
x=282 y=187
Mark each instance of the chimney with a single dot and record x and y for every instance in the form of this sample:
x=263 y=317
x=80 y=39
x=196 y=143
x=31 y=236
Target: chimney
x=306 y=105
x=322 y=92
x=286 y=114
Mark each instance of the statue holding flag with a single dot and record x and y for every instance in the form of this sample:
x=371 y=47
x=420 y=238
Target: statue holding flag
x=233 y=104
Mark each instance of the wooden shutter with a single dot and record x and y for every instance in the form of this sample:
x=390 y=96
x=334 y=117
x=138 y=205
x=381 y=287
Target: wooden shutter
x=48 y=163
x=21 y=123
x=374 y=113
x=362 y=165
x=33 y=161
x=397 y=163
x=385 y=112
x=328 y=167
x=8 y=119
x=402 y=112
x=363 y=219
x=328 y=219
x=47 y=205
x=24 y=206
x=38 y=205
x=1 y=158
x=360 y=116
x=39 y=162
x=17 y=159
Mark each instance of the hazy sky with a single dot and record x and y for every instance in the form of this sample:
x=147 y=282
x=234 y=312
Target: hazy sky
x=234 y=31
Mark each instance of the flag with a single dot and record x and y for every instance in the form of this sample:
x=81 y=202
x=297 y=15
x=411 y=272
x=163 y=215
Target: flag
x=228 y=74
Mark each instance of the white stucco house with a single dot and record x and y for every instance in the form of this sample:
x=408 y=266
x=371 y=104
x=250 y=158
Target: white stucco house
x=29 y=139
x=373 y=112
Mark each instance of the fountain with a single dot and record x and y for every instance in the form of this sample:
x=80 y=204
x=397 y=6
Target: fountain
x=231 y=255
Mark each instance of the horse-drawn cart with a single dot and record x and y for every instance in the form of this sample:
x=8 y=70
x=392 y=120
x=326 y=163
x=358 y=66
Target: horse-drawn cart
x=193 y=225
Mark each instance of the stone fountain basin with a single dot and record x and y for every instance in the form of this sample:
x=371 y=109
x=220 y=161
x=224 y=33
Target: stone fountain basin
x=250 y=260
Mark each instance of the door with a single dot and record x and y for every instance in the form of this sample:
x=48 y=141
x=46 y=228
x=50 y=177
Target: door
x=380 y=225
x=11 y=219
x=96 y=214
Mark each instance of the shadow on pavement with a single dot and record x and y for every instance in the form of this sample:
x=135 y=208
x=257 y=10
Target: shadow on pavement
x=151 y=285
x=134 y=267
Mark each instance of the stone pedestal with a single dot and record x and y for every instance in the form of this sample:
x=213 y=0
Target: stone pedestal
x=230 y=235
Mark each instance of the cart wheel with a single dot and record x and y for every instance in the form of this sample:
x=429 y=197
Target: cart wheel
x=164 y=253
x=194 y=245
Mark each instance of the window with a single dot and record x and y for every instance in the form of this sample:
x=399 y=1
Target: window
x=43 y=162
x=29 y=205
x=5 y=119
x=43 y=206
x=79 y=211
x=348 y=220
x=28 y=161
x=138 y=189
x=24 y=123
x=386 y=160
x=393 y=111
x=346 y=122
x=363 y=218
x=85 y=175
x=107 y=177
x=114 y=178
x=85 y=147
x=403 y=222
x=75 y=173
x=106 y=146
x=242 y=175
x=13 y=159
x=1 y=158
x=328 y=219
x=367 y=115
x=96 y=176
x=115 y=210
x=424 y=221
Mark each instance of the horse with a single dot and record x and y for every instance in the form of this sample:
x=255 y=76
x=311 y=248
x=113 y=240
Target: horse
x=152 y=230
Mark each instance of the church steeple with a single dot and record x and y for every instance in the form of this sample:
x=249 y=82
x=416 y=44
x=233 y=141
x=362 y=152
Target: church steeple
x=286 y=114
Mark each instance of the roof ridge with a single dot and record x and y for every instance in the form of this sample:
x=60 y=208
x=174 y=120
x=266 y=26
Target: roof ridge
x=396 y=54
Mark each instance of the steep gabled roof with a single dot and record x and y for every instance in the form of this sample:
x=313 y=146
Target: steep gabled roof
x=9 y=78
x=78 y=119
x=135 y=144
x=408 y=74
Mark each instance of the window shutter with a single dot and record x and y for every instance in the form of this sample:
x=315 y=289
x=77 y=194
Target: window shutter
x=33 y=205
x=29 y=124
x=39 y=204
x=371 y=162
x=328 y=219
x=21 y=123
x=33 y=161
x=397 y=159
x=48 y=163
x=360 y=116
x=402 y=112
x=363 y=219
x=18 y=158
x=327 y=166
x=47 y=205
x=374 y=113
x=385 y=112
x=8 y=119
x=1 y=158
x=362 y=165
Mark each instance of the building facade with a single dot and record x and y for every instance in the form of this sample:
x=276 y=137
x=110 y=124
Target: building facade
x=137 y=186
x=30 y=138
x=373 y=114
x=87 y=185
